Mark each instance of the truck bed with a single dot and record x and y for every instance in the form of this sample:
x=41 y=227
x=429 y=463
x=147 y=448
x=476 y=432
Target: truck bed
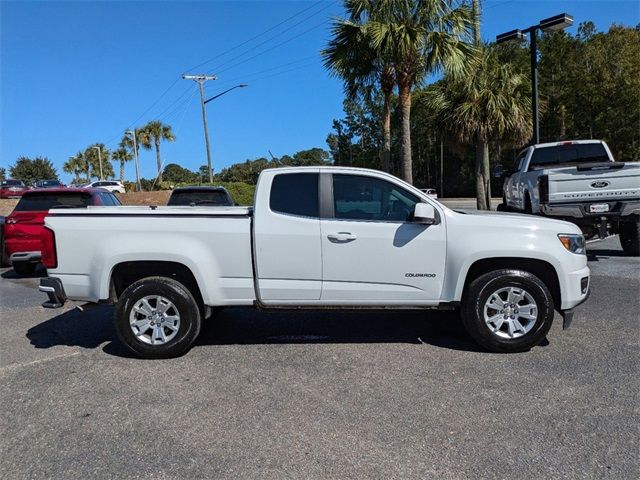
x=214 y=242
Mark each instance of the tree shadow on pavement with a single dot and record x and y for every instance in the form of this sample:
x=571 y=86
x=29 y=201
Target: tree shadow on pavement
x=247 y=326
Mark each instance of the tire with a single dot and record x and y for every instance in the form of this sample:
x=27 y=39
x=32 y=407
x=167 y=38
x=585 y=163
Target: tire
x=148 y=342
x=630 y=238
x=527 y=204
x=502 y=207
x=502 y=340
x=24 y=268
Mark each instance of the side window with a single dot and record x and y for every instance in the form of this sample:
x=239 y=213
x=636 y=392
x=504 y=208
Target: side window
x=366 y=198
x=295 y=194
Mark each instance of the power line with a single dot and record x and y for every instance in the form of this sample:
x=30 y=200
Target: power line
x=254 y=37
x=218 y=67
x=275 y=46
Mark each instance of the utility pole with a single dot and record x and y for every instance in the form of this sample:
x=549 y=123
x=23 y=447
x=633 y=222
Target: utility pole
x=135 y=156
x=99 y=161
x=200 y=79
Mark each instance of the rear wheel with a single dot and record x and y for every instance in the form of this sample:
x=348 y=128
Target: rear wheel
x=630 y=237
x=24 y=268
x=527 y=204
x=157 y=317
x=507 y=310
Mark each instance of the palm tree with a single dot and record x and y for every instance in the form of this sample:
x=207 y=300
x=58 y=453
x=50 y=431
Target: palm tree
x=350 y=55
x=95 y=160
x=77 y=165
x=492 y=103
x=153 y=133
x=122 y=155
x=420 y=37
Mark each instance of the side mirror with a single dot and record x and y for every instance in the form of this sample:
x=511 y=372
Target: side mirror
x=424 y=213
x=498 y=171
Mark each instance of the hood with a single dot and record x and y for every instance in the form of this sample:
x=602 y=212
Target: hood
x=507 y=220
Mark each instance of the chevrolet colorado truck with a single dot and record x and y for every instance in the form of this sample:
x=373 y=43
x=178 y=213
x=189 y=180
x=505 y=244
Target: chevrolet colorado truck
x=578 y=181
x=317 y=238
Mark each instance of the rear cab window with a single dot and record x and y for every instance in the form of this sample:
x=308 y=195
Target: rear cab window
x=295 y=194
x=46 y=201
x=568 y=155
x=200 y=197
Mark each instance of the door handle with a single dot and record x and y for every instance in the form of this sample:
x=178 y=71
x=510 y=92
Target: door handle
x=341 y=237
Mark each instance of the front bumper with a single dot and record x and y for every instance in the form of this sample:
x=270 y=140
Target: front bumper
x=54 y=290
x=567 y=314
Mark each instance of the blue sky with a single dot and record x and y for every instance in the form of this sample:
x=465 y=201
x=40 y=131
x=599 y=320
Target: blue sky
x=76 y=73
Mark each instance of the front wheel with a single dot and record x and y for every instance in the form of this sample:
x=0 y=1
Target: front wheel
x=630 y=237
x=157 y=317
x=507 y=310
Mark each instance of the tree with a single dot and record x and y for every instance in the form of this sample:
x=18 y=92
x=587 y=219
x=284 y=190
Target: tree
x=97 y=161
x=351 y=56
x=77 y=165
x=491 y=103
x=122 y=155
x=152 y=134
x=31 y=170
x=420 y=37
x=176 y=174
x=3 y=173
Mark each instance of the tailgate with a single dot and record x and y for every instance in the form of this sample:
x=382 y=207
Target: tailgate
x=602 y=182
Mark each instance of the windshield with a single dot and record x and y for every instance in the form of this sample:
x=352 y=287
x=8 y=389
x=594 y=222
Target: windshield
x=200 y=197
x=11 y=183
x=41 y=202
x=569 y=154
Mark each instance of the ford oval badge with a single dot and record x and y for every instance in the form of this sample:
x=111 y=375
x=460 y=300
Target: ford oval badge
x=599 y=184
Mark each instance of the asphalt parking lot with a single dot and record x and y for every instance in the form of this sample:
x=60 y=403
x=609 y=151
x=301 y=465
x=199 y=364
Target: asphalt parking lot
x=323 y=394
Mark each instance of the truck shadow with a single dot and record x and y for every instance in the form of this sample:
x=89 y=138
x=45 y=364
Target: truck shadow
x=246 y=326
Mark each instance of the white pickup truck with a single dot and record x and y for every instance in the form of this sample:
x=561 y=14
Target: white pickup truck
x=317 y=237
x=578 y=181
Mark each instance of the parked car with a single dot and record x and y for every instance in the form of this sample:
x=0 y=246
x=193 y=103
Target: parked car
x=578 y=181
x=24 y=227
x=110 y=185
x=201 y=195
x=48 y=184
x=317 y=237
x=11 y=188
x=431 y=192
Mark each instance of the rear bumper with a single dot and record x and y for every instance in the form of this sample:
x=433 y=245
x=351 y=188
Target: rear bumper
x=28 y=257
x=617 y=208
x=54 y=290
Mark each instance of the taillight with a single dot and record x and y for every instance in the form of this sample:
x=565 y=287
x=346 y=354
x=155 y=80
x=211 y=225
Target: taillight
x=48 y=253
x=543 y=188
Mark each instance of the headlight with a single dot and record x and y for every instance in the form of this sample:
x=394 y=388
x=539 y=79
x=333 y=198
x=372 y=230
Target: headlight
x=572 y=242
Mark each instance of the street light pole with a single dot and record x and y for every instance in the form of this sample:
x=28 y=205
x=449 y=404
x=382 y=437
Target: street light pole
x=551 y=24
x=135 y=156
x=99 y=161
x=200 y=79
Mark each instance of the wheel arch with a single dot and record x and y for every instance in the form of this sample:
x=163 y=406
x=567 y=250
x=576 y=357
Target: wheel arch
x=126 y=273
x=542 y=269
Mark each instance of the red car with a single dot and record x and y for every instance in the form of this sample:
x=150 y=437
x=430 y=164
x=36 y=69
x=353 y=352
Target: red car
x=25 y=225
x=11 y=188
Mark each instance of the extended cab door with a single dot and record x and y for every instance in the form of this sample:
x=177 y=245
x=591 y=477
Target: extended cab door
x=287 y=237
x=372 y=253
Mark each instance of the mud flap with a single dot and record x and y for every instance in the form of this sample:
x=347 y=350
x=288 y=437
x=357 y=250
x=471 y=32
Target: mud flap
x=567 y=318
